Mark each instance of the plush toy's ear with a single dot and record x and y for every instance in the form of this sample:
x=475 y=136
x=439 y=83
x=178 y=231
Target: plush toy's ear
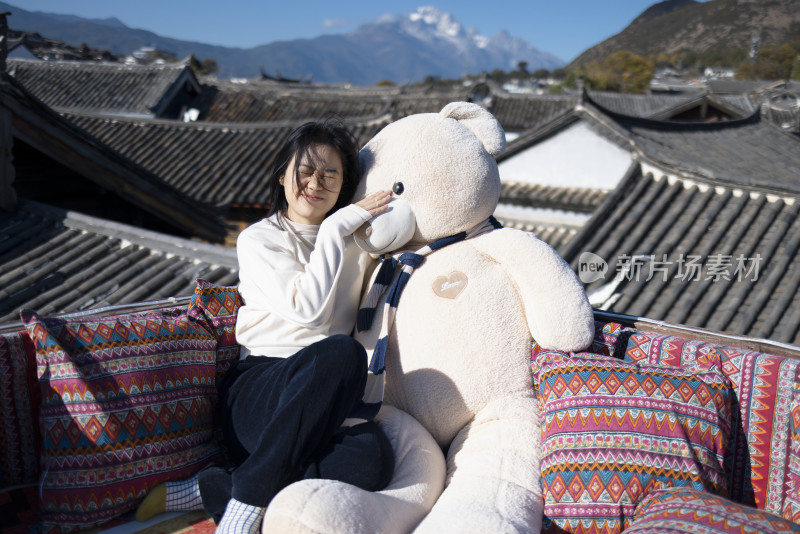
x=480 y=122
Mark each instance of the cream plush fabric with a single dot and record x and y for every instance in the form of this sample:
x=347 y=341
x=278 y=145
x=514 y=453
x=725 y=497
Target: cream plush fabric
x=458 y=358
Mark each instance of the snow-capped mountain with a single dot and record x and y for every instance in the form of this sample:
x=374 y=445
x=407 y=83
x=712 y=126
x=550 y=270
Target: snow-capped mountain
x=402 y=48
x=438 y=42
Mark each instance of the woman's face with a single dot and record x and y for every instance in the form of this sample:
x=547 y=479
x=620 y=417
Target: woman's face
x=321 y=176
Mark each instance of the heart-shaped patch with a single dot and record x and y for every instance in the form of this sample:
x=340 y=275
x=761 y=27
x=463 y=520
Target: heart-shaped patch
x=450 y=286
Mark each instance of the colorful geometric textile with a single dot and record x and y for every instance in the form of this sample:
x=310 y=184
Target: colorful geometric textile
x=216 y=307
x=612 y=431
x=19 y=398
x=127 y=403
x=763 y=463
x=674 y=510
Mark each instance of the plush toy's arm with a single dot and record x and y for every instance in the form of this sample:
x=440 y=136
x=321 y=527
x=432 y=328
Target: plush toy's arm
x=556 y=307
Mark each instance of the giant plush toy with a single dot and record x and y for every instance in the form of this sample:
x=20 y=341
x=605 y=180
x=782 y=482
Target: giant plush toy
x=451 y=314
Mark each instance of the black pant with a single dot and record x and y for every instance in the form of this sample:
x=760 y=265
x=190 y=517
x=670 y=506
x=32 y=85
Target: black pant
x=281 y=420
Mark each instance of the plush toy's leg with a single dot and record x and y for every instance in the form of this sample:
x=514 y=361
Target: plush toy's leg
x=327 y=506
x=493 y=474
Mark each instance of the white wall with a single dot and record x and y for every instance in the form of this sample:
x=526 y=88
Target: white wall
x=575 y=157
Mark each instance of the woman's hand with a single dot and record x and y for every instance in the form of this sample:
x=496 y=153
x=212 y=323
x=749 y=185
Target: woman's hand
x=376 y=203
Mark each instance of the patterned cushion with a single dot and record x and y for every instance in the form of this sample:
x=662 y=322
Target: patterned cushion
x=216 y=307
x=612 y=431
x=763 y=463
x=127 y=403
x=19 y=398
x=698 y=512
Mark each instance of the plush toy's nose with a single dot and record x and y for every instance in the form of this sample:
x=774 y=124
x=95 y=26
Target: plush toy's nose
x=364 y=231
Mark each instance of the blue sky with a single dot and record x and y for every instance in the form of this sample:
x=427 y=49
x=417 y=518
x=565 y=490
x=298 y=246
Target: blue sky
x=564 y=28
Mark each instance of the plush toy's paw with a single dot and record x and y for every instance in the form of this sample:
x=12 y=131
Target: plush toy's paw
x=327 y=506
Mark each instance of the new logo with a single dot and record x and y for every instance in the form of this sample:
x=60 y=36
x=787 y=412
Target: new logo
x=591 y=267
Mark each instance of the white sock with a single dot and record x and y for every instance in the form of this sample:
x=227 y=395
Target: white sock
x=183 y=495
x=240 y=518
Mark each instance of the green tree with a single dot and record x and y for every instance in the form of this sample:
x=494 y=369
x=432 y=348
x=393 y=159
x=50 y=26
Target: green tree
x=499 y=75
x=622 y=71
x=571 y=78
x=206 y=66
x=773 y=63
x=209 y=66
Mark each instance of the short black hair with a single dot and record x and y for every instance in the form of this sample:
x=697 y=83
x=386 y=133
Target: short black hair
x=329 y=132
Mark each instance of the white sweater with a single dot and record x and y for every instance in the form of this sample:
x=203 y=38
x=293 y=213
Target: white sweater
x=300 y=283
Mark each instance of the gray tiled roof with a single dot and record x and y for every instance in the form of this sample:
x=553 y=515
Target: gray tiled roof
x=737 y=86
x=746 y=153
x=55 y=261
x=215 y=164
x=643 y=105
x=225 y=102
x=221 y=102
x=521 y=112
x=666 y=106
x=666 y=221
x=136 y=90
x=56 y=138
x=99 y=86
x=740 y=102
x=749 y=152
x=574 y=199
x=411 y=104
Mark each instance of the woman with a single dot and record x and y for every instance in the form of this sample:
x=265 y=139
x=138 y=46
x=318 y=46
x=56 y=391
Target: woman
x=300 y=373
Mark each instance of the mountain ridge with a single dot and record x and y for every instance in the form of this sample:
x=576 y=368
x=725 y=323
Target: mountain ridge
x=672 y=25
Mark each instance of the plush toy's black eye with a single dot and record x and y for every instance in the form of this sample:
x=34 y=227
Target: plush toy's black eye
x=398 y=188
